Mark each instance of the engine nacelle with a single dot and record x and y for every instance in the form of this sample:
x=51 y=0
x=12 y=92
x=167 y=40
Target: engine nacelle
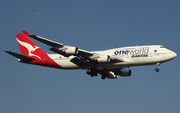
x=123 y=72
x=111 y=75
x=103 y=59
x=68 y=50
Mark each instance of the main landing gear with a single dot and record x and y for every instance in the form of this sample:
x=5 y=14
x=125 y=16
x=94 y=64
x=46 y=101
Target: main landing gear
x=157 y=67
x=92 y=72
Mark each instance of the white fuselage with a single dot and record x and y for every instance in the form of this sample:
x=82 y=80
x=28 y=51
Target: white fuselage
x=132 y=56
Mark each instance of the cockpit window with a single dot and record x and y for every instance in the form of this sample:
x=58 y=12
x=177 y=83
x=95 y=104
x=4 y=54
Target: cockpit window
x=162 y=47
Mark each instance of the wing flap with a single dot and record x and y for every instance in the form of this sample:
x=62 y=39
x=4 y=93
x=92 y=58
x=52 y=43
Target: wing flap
x=81 y=61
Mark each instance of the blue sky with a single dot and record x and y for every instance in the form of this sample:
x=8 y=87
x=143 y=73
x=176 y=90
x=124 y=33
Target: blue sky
x=90 y=25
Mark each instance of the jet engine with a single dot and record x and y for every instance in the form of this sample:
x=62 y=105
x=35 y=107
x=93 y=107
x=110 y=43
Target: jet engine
x=69 y=50
x=102 y=59
x=123 y=72
x=111 y=75
x=66 y=50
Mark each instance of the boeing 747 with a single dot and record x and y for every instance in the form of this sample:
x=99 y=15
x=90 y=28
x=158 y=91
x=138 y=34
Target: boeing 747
x=109 y=63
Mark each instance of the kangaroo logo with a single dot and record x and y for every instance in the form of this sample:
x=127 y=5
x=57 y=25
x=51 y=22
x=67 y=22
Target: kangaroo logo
x=29 y=47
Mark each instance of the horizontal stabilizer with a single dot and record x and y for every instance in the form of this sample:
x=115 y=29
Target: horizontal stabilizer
x=22 y=57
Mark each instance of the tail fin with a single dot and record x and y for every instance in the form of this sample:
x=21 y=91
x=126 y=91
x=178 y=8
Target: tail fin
x=31 y=53
x=28 y=47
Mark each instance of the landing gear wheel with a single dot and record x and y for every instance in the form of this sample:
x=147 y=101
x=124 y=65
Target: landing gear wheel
x=88 y=72
x=157 y=70
x=92 y=75
x=103 y=77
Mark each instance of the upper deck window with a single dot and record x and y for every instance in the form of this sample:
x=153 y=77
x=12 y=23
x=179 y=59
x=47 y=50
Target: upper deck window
x=162 y=47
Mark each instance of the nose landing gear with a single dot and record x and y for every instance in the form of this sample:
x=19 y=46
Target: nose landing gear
x=157 y=67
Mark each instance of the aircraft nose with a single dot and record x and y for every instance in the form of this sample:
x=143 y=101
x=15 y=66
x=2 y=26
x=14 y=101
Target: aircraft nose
x=174 y=54
x=170 y=55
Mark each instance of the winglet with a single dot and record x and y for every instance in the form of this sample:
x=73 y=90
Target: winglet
x=25 y=32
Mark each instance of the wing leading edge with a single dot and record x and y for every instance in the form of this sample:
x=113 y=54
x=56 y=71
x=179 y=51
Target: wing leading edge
x=43 y=40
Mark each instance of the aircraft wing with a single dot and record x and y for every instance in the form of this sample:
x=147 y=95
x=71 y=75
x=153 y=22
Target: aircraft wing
x=82 y=58
x=60 y=48
x=43 y=40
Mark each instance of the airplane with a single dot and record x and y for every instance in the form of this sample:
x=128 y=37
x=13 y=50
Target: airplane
x=109 y=63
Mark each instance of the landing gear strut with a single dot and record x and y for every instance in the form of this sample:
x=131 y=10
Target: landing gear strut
x=157 y=67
